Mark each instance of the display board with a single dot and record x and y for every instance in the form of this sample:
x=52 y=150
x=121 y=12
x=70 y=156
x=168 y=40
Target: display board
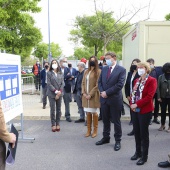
x=10 y=85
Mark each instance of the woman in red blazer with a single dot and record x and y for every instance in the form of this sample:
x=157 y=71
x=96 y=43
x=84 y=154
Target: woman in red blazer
x=142 y=107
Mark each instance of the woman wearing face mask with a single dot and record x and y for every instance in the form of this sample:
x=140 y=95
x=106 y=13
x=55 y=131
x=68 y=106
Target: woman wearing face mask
x=131 y=77
x=90 y=98
x=163 y=93
x=55 y=84
x=141 y=104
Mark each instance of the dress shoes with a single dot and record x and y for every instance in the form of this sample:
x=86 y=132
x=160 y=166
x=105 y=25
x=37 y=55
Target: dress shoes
x=165 y=164
x=117 y=146
x=141 y=161
x=68 y=120
x=135 y=156
x=131 y=133
x=156 y=121
x=44 y=106
x=100 y=118
x=103 y=141
x=79 y=121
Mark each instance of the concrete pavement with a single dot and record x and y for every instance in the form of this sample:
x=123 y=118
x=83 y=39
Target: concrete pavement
x=32 y=109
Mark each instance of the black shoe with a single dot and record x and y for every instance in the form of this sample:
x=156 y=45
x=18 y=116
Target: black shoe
x=155 y=120
x=100 y=118
x=135 y=156
x=165 y=164
x=44 y=106
x=131 y=133
x=141 y=161
x=123 y=112
x=68 y=120
x=74 y=100
x=117 y=146
x=79 y=121
x=150 y=123
x=103 y=141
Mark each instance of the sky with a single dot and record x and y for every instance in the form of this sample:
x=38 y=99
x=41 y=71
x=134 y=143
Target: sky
x=63 y=13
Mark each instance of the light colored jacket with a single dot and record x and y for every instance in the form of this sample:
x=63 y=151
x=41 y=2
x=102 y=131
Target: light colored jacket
x=4 y=134
x=54 y=83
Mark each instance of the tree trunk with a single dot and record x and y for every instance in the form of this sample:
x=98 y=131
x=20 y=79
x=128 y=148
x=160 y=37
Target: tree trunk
x=95 y=50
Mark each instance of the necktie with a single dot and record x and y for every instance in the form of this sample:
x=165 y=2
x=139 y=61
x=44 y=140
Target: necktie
x=109 y=72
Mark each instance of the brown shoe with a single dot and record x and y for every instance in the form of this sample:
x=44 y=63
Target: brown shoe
x=57 y=128
x=89 y=121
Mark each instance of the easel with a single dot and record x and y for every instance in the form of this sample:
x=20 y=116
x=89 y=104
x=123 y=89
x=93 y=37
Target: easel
x=22 y=138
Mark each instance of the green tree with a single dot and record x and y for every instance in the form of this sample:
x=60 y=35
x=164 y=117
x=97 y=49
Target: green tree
x=41 y=50
x=18 y=33
x=98 y=31
x=167 y=17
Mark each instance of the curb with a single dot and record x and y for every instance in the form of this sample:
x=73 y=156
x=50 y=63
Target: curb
x=62 y=118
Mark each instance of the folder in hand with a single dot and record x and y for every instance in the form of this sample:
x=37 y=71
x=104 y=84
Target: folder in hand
x=10 y=159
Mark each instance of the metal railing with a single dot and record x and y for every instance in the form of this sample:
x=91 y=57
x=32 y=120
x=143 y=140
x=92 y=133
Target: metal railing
x=27 y=84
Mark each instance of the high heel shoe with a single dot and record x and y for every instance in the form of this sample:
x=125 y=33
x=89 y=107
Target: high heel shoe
x=161 y=128
x=168 y=130
x=58 y=128
x=53 y=129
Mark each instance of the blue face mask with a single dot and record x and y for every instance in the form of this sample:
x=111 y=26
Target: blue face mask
x=109 y=62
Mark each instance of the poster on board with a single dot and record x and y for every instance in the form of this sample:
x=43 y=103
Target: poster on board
x=10 y=85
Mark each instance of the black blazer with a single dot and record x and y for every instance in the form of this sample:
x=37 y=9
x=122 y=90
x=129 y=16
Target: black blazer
x=67 y=76
x=128 y=81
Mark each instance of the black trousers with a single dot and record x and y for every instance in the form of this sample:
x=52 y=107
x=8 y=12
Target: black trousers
x=2 y=155
x=141 y=130
x=156 y=108
x=37 y=82
x=165 y=102
x=107 y=116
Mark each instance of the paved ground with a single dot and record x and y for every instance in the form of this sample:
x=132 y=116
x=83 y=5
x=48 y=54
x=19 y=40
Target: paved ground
x=70 y=150
x=33 y=109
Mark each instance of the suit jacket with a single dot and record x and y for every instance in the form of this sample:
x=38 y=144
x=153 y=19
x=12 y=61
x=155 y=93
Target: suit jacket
x=128 y=82
x=73 y=73
x=77 y=88
x=43 y=77
x=146 y=102
x=54 y=83
x=67 y=76
x=4 y=134
x=113 y=87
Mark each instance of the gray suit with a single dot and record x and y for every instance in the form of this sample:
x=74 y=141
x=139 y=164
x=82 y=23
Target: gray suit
x=54 y=83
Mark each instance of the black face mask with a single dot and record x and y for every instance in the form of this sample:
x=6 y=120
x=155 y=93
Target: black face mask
x=46 y=67
x=69 y=65
x=133 y=67
x=92 y=63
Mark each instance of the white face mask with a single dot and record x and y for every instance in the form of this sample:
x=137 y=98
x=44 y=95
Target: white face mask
x=38 y=62
x=141 y=71
x=65 y=64
x=54 y=66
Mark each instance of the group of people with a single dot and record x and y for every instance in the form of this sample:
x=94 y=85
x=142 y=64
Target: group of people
x=98 y=89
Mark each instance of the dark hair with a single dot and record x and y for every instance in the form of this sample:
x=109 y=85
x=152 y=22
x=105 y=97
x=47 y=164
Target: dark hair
x=112 y=54
x=104 y=60
x=46 y=62
x=96 y=67
x=150 y=60
x=166 y=68
x=58 y=68
x=137 y=60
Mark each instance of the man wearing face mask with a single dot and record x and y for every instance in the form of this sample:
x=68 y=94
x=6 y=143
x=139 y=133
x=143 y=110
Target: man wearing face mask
x=67 y=88
x=155 y=73
x=44 y=83
x=73 y=73
x=110 y=85
x=36 y=69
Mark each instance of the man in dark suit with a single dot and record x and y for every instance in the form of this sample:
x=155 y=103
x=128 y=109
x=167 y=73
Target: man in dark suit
x=110 y=85
x=67 y=88
x=73 y=73
x=78 y=93
x=44 y=83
